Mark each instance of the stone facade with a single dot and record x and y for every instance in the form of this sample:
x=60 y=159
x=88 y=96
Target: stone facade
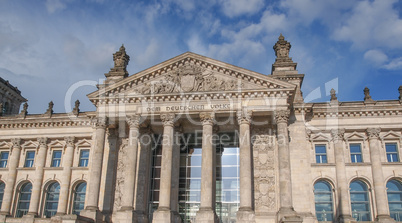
x=124 y=161
x=10 y=98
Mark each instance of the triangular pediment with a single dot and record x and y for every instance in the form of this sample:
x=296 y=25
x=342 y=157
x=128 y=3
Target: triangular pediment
x=189 y=73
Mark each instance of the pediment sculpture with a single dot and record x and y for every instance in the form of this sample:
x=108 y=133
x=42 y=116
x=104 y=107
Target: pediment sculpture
x=189 y=78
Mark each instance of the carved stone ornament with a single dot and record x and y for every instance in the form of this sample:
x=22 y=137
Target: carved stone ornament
x=264 y=154
x=42 y=141
x=24 y=110
x=338 y=134
x=244 y=117
x=100 y=122
x=49 y=110
x=282 y=116
x=282 y=48
x=76 y=109
x=367 y=96
x=207 y=118
x=134 y=120
x=16 y=142
x=187 y=78
x=69 y=140
x=333 y=95
x=373 y=133
x=167 y=119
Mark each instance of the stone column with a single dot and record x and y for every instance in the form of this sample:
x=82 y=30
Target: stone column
x=66 y=176
x=164 y=214
x=380 y=191
x=206 y=212
x=344 y=214
x=131 y=162
x=92 y=209
x=245 y=213
x=174 y=200
x=38 y=178
x=143 y=173
x=12 y=174
x=286 y=211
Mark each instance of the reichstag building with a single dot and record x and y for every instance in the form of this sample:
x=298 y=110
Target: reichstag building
x=193 y=139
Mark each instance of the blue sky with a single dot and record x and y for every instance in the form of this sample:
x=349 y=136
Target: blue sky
x=48 y=46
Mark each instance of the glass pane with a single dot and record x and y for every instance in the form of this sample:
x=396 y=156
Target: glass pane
x=355 y=148
x=394 y=185
x=391 y=147
x=320 y=149
x=358 y=196
x=357 y=186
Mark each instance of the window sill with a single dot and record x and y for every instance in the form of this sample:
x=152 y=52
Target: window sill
x=26 y=168
x=4 y=169
x=392 y=163
x=80 y=168
x=358 y=164
x=323 y=164
x=53 y=168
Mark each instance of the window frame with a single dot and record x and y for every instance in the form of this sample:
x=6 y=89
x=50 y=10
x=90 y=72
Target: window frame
x=2 y=160
x=26 y=158
x=46 y=201
x=368 y=195
x=74 y=195
x=17 y=205
x=321 y=154
x=56 y=159
x=2 y=192
x=80 y=157
x=354 y=154
x=394 y=202
x=332 y=196
x=396 y=151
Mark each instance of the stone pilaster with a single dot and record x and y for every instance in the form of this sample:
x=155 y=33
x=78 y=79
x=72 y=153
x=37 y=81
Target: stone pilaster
x=245 y=213
x=40 y=160
x=12 y=174
x=344 y=214
x=66 y=177
x=92 y=209
x=206 y=213
x=164 y=213
x=286 y=211
x=380 y=191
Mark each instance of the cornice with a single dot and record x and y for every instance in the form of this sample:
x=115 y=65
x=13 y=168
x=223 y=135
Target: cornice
x=39 y=121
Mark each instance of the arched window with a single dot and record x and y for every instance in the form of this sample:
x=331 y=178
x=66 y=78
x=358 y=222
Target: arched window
x=79 y=197
x=394 y=192
x=52 y=199
x=5 y=108
x=24 y=200
x=359 y=199
x=323 y=201
x=2 y=186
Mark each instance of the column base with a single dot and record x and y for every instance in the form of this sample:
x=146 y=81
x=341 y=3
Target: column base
x=245 y=215
x=130 y=216
x=165 y=215
x=29 y=218
x=206 y=216
x=345 y=219
x=92 y=213
x=3 y=217
x=289 y=215
x=384 y=219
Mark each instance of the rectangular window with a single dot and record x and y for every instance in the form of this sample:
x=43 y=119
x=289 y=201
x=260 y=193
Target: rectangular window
x=56 y=159
x=3 y=159
x=392 y=152
x=355 y=153
x=84 y=157
x=29 y=159
x=320 y=154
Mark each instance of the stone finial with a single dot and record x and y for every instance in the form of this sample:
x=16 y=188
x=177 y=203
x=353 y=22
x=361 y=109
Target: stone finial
x=367 y=97
x=282 y=48
x=333 y=95
x=76 y=109
x=400 y=93
x=24 y=110
x=49 y=110
x=119 y=70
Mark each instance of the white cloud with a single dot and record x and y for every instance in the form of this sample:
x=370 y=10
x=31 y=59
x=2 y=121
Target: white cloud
x=395 y=64
x=54 y=5
x=233 y=8
x=377 y=57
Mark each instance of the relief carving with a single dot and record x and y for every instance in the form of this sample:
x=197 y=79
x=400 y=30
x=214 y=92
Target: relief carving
x=264 y=171
x=120 y=175
x=187 y=78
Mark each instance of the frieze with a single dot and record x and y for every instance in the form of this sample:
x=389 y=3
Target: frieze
x=42 y=124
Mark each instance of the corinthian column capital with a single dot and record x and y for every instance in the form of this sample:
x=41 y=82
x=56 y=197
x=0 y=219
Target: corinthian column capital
x=167 y=119
x=99 y=122
x=207 y=118
x=373 y=133
x=16 y=142
x=282 y=116
x=337 y=134
x=244 y=117
x=69 y=140
x=134 y=120
x=42 y=141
